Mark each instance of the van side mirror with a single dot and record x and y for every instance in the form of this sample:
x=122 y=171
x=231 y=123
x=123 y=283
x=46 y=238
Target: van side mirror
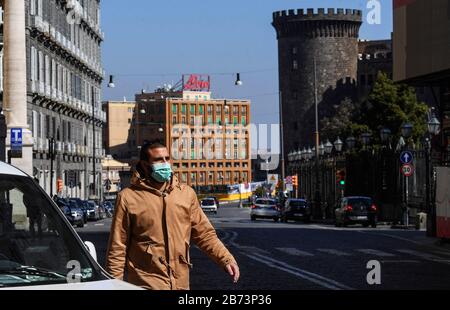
x=91 y=248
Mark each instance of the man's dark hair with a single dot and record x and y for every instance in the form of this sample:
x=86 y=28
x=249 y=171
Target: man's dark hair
x=157 y=144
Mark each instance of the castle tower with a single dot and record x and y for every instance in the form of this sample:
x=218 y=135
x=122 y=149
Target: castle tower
x=331 y=37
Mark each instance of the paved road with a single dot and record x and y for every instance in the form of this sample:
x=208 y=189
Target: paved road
x=298 y=256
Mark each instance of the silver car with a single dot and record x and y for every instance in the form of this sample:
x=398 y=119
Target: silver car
x=265 y=208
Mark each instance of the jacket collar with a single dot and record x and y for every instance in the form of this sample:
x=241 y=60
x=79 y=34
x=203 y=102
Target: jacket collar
x=150 y=185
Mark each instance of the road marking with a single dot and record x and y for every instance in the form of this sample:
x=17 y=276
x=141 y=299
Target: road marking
x=251 y=249
x=309 y=276
x=101 y=224
x=333 y=252
x=375 y=252
x=411 y=261
x=426 y=256
x=442 y=253
x=277 y=264
x=294 y=251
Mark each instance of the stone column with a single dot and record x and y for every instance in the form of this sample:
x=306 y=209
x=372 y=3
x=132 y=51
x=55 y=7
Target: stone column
x=15 y=80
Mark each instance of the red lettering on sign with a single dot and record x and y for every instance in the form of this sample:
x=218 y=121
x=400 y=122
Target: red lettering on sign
x=196 y=83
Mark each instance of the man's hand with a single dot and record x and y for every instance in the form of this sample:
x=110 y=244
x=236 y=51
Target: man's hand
x=233 y=271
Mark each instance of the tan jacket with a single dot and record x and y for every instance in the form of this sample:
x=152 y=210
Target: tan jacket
x=151 y=234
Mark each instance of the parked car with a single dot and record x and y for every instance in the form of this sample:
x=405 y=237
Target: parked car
x=74 y=215
x=77 y=202
x=356 y=210
x=209 y=205
x=265 y=208
x=93 y=211
x=39 y=249
x=296 y=209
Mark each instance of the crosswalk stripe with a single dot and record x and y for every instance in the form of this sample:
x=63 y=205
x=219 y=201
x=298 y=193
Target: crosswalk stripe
x=426 y=256
x=334 y=252
x=294 y=251
x=375 y=252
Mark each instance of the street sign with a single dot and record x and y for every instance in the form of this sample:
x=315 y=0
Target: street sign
x=406 y=157
x=407 y=170
x=16 y=138
x=273 y=179
x=289 y=188
x=288 y=180
x=16 y=143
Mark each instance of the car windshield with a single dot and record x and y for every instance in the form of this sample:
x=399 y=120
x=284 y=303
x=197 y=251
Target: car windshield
x=91 y=206
x=267 y=202
x=36 y=245
x=208 y=202
x=297 y=203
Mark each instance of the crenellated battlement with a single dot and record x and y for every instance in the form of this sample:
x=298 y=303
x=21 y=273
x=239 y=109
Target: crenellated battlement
x=321 y=14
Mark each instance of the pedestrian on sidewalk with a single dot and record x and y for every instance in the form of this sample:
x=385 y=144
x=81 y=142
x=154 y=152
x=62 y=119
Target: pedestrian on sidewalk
x=154 y=222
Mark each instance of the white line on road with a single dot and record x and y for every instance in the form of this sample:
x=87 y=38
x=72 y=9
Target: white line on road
x=334 y=252
x=310 y=276
x=376 y=252
x=405 y=261
x=101 y=224
x=277 y=264
x=294 y=251
x=426 y=256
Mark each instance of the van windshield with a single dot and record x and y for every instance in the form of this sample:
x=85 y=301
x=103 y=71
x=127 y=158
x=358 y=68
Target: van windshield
x=37 y=246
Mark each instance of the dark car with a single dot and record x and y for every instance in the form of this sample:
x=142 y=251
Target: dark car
x=77 y=202
x=356 y=210
x=296 y=209
x=93 y=211
x=74 y=215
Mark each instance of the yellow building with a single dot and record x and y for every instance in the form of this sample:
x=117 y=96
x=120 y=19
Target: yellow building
x=119 y=133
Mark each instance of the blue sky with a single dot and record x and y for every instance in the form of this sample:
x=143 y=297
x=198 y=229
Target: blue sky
x=152 y=42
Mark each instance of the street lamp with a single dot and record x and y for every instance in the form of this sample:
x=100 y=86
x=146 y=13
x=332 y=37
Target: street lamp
x=365 y=138
x=111 y=82
x=321 y=149
x=433 y=129
x=407 y=130
x=385 y=134
x=238 y=80
x=351 y=142
x=328 y=147
x=338 y=144
x=434 y=126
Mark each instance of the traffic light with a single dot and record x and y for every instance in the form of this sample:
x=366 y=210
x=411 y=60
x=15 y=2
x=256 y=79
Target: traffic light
x=340 y=177
x=59 y=185
x=295 y=180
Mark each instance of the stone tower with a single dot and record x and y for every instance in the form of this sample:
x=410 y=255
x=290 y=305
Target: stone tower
x=331 y=37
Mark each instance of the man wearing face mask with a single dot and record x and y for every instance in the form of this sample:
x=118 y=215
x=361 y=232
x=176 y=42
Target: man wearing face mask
x=154 y=222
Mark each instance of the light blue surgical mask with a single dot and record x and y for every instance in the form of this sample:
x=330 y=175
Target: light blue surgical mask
x=161 y=172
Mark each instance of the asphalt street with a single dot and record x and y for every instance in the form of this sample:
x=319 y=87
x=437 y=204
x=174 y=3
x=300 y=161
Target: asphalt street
x=298 y=256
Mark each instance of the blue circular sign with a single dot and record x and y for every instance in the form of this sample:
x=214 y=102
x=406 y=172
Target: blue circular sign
x=406 y=157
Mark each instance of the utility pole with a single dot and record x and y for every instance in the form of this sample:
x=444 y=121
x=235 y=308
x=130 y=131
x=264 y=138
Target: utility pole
x=283 y=185
x=317 y=142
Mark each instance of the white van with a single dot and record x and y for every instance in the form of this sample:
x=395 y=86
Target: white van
x=39 y=249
